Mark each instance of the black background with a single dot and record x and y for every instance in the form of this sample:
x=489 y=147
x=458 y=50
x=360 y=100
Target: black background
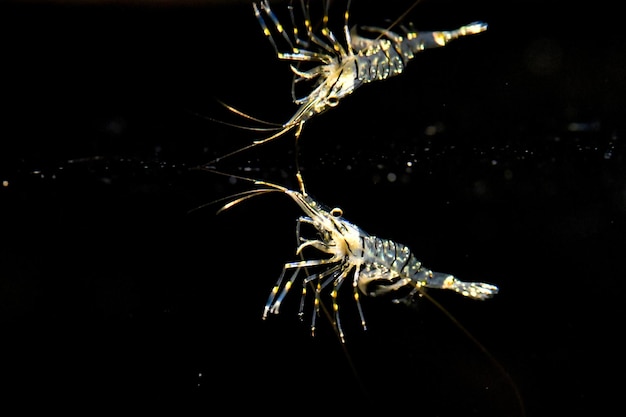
x=111 y=289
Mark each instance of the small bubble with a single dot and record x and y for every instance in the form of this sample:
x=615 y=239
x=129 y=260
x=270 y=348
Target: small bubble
x=5 y=183
x=480 y=188
x=391 y=177
x=430 y=130
x=115 y=126
x=583 y=126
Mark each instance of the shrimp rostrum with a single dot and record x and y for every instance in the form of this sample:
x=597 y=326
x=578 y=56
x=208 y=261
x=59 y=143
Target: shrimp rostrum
x=335 y=69
x=375 y=266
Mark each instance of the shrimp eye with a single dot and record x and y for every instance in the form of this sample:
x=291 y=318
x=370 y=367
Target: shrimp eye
x=332 y=101
x=336 y=212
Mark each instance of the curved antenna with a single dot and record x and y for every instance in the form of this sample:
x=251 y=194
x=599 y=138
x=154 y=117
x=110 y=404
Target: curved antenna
x=481 y=347
x=242 y=196
x=277 y=128
x=281 y=132
x=209 y=168
x=233 y=199
x=401 y=17
x=250 y=117
x=270 y=126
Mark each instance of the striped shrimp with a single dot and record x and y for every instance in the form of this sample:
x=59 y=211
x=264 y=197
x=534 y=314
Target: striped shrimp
x=338 y=68
x=376 y=266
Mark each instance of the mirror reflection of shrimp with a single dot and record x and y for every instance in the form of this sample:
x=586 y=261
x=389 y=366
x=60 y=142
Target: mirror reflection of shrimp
x=338 y=69
x=376 y=266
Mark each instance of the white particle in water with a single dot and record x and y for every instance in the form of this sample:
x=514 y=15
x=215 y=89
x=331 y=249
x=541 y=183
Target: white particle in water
x=430 y=130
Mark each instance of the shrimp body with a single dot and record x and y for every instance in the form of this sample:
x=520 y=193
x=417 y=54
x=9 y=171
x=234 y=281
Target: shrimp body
x=388 y=54
x=331 y=69
x=374 y=265
x=392 y=266
x=338 y=69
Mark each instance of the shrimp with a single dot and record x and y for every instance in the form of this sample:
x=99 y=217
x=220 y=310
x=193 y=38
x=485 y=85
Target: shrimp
x=338 y=68
x=376 y=266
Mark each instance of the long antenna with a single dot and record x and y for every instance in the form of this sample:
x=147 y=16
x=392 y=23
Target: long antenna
x=482 y=348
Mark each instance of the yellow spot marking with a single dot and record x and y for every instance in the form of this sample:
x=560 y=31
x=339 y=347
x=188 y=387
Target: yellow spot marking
x=287 y=285
x=440 y=38
x=356 y=296
x=335 y=307
x=275 y=289
x=448 y=283
x=279 y=28
x=266 y=31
